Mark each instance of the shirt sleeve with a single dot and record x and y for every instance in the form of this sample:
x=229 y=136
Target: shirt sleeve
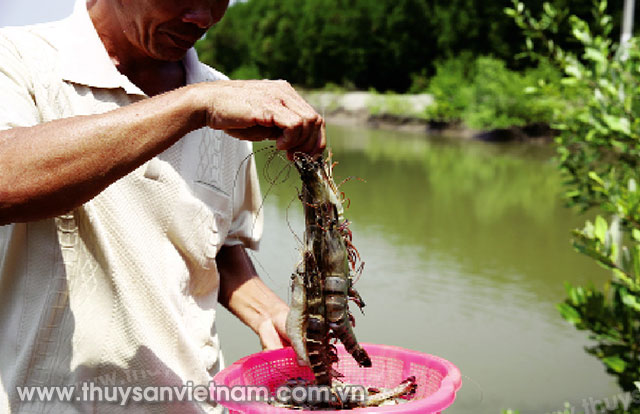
x=247 y=221
x=17 y=106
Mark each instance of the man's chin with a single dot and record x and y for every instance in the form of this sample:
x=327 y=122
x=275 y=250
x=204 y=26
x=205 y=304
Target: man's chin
x=176 y=58
x=170 y=47
x=170 y=54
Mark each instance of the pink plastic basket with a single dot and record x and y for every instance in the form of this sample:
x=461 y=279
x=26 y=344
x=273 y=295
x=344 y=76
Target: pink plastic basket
x=438 y=380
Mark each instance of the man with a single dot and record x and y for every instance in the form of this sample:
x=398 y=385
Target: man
x=125 y=203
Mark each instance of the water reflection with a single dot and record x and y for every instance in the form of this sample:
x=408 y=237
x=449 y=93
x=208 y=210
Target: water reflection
x=466 y=247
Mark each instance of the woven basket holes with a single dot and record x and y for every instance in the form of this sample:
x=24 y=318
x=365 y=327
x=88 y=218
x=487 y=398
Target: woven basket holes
x=428 y=379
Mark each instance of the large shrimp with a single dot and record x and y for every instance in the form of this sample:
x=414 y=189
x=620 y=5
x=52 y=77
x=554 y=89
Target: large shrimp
x=320 y=311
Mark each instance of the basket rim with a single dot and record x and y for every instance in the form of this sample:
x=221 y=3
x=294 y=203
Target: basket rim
x=436 y=402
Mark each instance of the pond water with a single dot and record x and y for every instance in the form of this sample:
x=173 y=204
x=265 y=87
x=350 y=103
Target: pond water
x=467 y=247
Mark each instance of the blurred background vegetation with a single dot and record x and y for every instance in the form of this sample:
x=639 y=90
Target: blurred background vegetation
x=466 y=53
x=384 y=44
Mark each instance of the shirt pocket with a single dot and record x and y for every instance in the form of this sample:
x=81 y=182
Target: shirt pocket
x=198 y=226
x=218 y=202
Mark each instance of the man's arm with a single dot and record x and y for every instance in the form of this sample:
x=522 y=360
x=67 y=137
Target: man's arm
x=247 y=297
x=51 y=168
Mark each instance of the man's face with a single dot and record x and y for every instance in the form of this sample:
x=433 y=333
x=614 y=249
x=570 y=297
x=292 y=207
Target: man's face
x=166 y=29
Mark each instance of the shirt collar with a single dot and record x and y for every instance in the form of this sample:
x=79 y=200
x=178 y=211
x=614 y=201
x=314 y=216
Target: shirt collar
x=84 y=59
x=195 y=69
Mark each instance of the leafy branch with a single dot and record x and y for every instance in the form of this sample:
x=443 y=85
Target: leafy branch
x=598 y=151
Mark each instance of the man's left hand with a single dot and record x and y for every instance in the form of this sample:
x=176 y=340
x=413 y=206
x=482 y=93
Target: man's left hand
x=272 y=331
x=248 y=298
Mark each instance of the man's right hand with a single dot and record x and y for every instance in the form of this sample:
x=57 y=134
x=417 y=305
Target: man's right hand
x=255 y=110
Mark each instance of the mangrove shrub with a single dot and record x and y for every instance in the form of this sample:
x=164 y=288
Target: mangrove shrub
x=599 y=154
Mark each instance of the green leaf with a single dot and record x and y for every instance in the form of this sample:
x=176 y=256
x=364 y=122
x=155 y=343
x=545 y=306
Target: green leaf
x=569 y=313
x=588 y=229
x=569 y=81
x=529 y=43
x=574 y=296
x=573 y=71
x=596 y=178
x=602 y=6
x=619 y=124
x=572 y=193
x=595 y=55
x=630 y=300
x=580 y=30
x=549 y=9
x=600 y=230
x=619 y=146
x=613 y=256
x=615 y=363
x=606 y=84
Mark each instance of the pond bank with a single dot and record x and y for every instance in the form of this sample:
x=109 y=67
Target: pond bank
x=407 y=112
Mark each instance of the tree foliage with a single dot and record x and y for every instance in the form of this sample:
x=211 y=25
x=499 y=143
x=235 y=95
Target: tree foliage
x=599 y=154
x=484 y=94
x=382 y=44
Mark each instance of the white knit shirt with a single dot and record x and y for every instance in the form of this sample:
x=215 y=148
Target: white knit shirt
x=123 y=289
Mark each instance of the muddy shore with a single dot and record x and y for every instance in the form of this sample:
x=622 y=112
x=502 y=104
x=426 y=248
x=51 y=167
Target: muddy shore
x=407 y=113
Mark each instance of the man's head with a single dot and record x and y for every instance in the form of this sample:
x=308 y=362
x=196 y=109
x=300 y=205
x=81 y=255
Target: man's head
x=166 y=29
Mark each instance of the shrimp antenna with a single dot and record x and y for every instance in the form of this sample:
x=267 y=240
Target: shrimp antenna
x=264 y=197
x=286 y=214
x=349 y=178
